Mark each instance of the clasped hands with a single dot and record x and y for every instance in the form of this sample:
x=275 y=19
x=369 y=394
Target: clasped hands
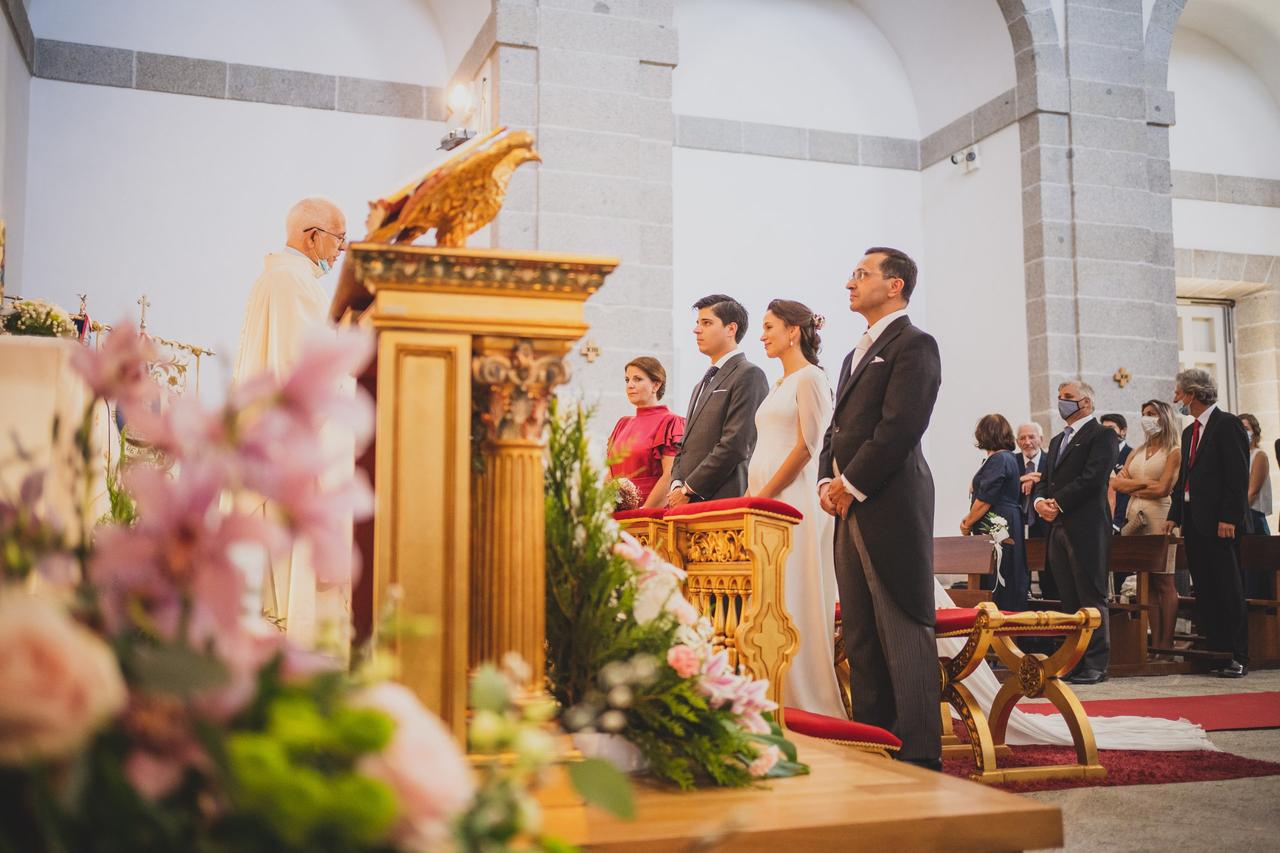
x=1048 y=509
x=834 y=498
x=1029 y=481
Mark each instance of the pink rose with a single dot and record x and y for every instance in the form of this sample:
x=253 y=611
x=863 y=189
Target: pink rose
x=58 y=682
x=683 y=660
x=764 y=762
x=422 y=764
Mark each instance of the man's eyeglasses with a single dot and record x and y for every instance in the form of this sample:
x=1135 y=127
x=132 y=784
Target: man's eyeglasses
x=863 y=275
x=341 y=238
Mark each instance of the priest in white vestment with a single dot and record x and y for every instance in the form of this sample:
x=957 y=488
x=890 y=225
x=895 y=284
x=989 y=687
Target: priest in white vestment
x=287 y=303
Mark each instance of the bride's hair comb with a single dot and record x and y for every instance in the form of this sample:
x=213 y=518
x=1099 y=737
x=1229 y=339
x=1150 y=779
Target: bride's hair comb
x=818 y=321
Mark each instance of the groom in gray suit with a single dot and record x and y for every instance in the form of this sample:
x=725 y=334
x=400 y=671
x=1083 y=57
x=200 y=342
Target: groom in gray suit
x=879 y=487
x=720 y=431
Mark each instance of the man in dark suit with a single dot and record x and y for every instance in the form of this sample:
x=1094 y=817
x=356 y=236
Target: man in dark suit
x=874 y=479
x=1209 y=503
x=1034 y=464
x=1117 y=424
x=1072 y=498
x=720 y=431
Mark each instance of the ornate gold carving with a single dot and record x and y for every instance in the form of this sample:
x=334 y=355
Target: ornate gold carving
x=479 y=270
x=716 y=546
x=458 y=197
x=512 y=390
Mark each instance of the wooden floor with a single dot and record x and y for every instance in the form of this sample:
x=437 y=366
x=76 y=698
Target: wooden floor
x=851 y=801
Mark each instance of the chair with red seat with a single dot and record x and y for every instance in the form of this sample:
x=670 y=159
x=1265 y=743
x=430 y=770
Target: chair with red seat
x=1031 y=675
x=847 y=732
x=734 y=552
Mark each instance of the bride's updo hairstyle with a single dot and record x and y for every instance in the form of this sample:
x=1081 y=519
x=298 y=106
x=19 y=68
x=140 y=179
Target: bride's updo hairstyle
x=798 y=314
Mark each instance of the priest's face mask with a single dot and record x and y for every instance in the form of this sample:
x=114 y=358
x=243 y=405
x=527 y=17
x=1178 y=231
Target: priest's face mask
x=328 y=244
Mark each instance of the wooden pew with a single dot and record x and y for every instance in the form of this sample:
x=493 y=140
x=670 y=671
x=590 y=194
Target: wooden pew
x=1260 y=557
x=1130 y=621
x=971 y=556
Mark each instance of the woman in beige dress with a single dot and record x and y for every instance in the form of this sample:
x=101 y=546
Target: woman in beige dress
x=1148 y=478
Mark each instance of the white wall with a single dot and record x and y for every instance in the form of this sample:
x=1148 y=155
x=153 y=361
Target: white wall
x=1226 y=227
x=379 y=39
x=15 y=95
x=805 y=63
x=760 y=228
x=972 y=274
x=1228 y=121
x=180 y=197
x=957 y=54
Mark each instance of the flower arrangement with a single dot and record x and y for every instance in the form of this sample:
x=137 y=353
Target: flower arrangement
x=628 y=654
x=38 y=318
x=997 y=528
x=145 y=705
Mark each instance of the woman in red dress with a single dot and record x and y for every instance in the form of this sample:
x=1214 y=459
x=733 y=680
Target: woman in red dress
x=643 y=446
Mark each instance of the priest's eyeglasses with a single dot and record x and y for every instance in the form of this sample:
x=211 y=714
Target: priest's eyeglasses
x=341 y=238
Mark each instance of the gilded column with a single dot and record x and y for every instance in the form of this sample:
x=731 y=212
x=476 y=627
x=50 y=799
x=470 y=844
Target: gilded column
x=512 y=383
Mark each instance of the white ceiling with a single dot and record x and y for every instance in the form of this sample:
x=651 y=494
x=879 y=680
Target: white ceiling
x=1248 y=28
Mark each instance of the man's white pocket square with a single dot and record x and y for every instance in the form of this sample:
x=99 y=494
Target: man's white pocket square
x=719 y=390
x=877 y=360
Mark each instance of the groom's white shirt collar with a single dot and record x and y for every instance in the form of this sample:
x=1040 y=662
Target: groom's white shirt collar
x=875 y=331
x=724 y=359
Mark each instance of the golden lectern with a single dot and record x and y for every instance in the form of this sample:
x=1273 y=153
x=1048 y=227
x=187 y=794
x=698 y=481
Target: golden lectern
x=470 y=348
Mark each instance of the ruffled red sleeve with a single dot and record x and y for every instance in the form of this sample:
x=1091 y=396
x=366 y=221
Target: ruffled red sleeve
x=666 y=441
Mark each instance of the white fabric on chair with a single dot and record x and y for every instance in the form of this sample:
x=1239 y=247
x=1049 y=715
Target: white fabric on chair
x=1151 y=733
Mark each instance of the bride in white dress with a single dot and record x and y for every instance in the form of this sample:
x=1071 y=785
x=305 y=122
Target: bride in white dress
x=784 y=466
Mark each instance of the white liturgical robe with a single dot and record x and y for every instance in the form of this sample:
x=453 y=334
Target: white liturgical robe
x=286 y=304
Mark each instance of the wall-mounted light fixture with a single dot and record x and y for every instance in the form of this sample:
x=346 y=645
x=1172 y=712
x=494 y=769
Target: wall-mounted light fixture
x=462 y=101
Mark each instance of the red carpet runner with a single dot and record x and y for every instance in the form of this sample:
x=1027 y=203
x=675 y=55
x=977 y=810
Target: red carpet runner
x=1213 y=713
x=1127 y=767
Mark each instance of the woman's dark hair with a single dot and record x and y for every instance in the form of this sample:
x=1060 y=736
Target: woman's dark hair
x=994 y=433
x=1252 y=421
x=651 y=367
x=798 y=314
x=727 y=310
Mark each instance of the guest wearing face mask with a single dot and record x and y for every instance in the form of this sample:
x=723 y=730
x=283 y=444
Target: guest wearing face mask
x=1073 y=499
x=1147 y=479
x=1209 y=505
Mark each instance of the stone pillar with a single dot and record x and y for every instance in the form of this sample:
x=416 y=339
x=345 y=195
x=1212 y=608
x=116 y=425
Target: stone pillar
x=512 y=383
x=592 y=80
x=1098 y=236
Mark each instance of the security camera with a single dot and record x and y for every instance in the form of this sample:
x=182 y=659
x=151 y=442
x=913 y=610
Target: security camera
x=967 y=158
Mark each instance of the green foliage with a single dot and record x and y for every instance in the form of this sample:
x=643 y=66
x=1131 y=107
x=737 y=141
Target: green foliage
x=122 y=509
x=601 y=784
x=590 y=593
x=37 y=318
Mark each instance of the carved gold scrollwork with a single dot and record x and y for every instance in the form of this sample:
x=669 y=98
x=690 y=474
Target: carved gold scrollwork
x=716 y=546
x=512 y=389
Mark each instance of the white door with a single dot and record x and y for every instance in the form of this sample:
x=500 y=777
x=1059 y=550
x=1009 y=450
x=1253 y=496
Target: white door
x=1206 y=339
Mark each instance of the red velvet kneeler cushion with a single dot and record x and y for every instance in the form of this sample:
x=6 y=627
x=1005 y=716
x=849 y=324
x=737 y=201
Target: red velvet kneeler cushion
x=731 y=504
x=651 y=512
x=959 y=620
x=832 y=728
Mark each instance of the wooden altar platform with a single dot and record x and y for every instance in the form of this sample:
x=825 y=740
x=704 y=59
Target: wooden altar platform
x=851 y=801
